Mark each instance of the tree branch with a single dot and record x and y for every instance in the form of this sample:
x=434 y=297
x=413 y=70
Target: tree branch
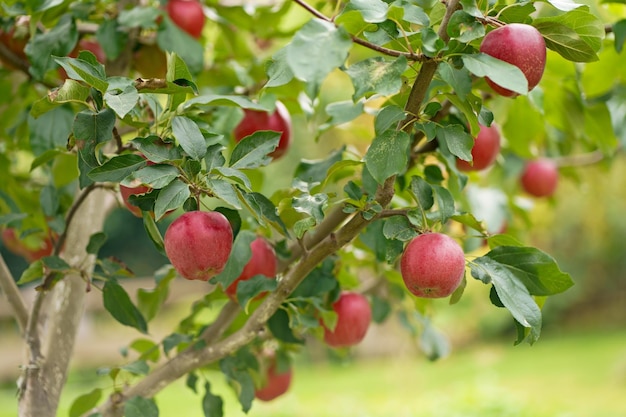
x=13 y=295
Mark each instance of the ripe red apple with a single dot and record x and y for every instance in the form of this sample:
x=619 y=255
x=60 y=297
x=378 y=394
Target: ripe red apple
x=485 y=150
x=14 y=44
x=540 y=178
x=126 y=192
x=279 y=121
x=518 y=44
x=198 y=244
x=276 y=384
x=43 y=247
x=262 y=262
x=354 y=315
x=432 y=265
x=188 y=15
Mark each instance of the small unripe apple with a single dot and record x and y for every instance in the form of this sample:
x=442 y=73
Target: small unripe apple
x=198 y=244
x=485 y=150
x=262 y=262
x=540 y=177
x=354 y=315
x=520 y=45
x=276 y=384
x=279 y=121
x=432 y=265
x=187 y=15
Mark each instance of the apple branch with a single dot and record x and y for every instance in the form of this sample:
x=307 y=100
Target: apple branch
x=411 y=56
x=324 y=241
x=13 y=295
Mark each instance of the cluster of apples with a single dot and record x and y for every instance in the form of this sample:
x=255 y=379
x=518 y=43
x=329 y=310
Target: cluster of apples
x=523 y=46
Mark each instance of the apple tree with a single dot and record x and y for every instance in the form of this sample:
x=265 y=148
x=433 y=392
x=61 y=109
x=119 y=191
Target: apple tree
x=337 y=163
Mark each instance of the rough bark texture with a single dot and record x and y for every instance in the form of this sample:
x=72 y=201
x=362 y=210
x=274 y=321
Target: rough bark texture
x=57 y=313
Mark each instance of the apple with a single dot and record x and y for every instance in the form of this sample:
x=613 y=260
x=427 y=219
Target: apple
x=354 y=315
x=520 y=45
x=276 y=383
x=278 y=121
x=126 y=192
x=198 y=244
x=432 y=265
x=187 y=15
x=485 y=150
x=540 y=177
x=262 y=262
x=150 y=61
x=15 y=245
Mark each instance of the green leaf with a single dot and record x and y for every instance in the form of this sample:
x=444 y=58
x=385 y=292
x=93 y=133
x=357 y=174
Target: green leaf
x=236 y=369
x=279 y=326
x=377 y=75
x=315 y=171
x=171 y=197
x=121 y=96
x=118 y=304
x=250 y=288
x=524 y=125
x=212 y=100
x=445 y=203
x=576 y=35
x=319 y=282
x=537 y=270
x=34 y=272
x=150 y=301
x=278 y=70
x=94 y=127
x=386 y=250
x=599 y=127
x=433 y=342
x=85 y=68
x=387 y=155
x=459 y=79
x=342 y=112
x=423 y=192
x=112 y=38
x=58 y=41
x=265 y=210
x=140 y=407
x=511 y=291
x=465 y=27
x=155 y=176
x=387 y=118
x=619 y=30
x=456 y=140
x=49 y=200
x=173 y=340
x=189 y=136
x=139 y=367
x=85 y=402
x=155 y=150
x=317 y=49
x=373 y=11
x=313 y=205
x=96 y=241
x=55 y=263
x=239 y=257
x=564 y=5
x=252 y=151
x=117 y=168
x=225 y=191
x=399 y=228
x=153 y=232
x=502 y=73
x=212 y=405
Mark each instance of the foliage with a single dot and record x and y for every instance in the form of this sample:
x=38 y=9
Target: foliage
x=418 y=88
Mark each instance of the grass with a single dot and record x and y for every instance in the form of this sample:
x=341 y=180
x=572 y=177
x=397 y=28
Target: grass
x=574 y=375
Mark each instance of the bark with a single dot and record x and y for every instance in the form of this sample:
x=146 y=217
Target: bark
x=56 y=314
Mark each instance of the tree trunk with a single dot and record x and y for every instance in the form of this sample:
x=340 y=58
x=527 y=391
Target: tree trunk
x=58 y=312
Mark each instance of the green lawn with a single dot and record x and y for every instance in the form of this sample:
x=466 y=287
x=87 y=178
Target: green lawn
x=575 y=375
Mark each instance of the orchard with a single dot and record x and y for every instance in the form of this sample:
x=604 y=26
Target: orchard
x=308 y=162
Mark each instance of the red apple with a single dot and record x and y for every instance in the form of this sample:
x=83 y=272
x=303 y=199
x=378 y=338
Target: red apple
x=353 y=319
x=262 y=262
x=518 y=44
x=198 y=244
x=432 y=265
x=187 y=15
x=279 y=121
x=43 y=247
x=485 y=150
x=15 y=45
x=276 y=384
x=126 y=192
x=540 y=178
